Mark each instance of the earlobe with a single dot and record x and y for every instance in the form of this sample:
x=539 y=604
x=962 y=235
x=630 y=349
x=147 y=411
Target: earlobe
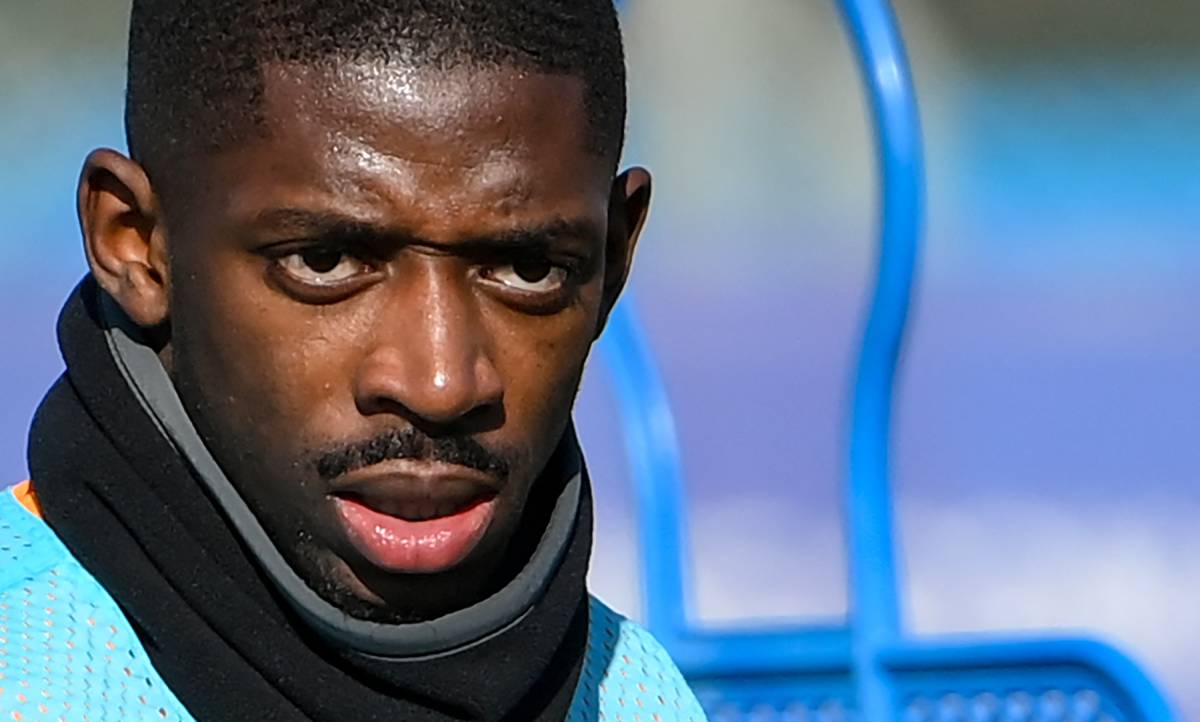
x=123 y=235
x=628 y=209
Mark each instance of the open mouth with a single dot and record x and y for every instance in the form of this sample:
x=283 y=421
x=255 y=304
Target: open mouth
x=417 y=509
x=408 y=526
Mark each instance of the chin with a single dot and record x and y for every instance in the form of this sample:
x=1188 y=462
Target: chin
x=365 y=591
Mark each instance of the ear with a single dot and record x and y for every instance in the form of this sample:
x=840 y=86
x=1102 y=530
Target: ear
x=123 y=235
x=629 y=205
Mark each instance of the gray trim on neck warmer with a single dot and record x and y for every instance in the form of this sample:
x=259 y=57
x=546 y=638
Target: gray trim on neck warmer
x=412 y=642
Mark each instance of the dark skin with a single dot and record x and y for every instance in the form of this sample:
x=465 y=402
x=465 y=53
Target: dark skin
x=393 y=248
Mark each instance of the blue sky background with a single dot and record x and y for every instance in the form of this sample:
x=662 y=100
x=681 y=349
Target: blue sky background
x=1047 y=471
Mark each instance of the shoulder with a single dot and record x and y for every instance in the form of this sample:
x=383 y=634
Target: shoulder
x=66 y=649
x=629 y=675
x=27 y=546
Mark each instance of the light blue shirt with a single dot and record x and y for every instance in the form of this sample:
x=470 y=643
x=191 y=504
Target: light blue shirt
x=67 y=653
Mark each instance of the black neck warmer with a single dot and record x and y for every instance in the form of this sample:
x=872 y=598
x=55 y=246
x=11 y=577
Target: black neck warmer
x=138 y=506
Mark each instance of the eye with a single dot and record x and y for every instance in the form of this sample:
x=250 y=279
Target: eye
x=322 y=266
x=532 y=275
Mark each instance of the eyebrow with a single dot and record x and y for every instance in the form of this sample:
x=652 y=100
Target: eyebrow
x=318 y=224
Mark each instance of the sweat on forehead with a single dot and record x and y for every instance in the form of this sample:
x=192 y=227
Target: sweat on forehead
x=195 y=73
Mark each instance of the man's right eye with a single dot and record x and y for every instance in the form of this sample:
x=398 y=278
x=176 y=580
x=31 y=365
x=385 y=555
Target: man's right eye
x=322 y=266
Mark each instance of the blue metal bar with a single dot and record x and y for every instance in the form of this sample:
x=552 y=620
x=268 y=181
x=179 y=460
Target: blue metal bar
x=763 y=652
x=1130 y=688
x=874 y=593
x=649 y=431
x=648 y=426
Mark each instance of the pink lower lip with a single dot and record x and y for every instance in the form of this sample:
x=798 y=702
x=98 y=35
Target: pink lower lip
x=414 y=547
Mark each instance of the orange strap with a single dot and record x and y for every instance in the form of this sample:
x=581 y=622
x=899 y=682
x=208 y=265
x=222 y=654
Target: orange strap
x=28 y=499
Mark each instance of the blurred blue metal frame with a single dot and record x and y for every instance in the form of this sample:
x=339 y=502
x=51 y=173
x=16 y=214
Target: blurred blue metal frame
x=871 y=650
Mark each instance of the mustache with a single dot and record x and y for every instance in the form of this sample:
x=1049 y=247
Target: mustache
x=411 y=444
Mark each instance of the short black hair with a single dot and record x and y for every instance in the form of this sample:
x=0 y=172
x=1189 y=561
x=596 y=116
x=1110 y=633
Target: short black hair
x=195 y=66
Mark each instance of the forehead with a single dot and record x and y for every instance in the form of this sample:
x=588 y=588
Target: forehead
x=432 y=144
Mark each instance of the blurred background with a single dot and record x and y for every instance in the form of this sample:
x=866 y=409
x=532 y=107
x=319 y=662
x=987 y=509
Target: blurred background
x=1047 y=474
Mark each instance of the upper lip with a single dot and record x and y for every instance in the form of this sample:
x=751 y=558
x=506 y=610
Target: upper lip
x=415 y=490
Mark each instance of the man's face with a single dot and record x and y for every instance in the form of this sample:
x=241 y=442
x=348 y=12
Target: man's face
x=380 y=309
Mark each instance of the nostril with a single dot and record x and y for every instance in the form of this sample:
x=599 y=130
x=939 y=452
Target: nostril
x=487 y=414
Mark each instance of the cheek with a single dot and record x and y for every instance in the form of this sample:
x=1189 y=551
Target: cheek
x=541 y=360
x=257 y=366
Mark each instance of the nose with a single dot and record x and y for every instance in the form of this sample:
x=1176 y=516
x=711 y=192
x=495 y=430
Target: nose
x=429 y=358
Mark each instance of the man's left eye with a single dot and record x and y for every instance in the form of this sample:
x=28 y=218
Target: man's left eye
x=321 y=267
x=530 y=276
